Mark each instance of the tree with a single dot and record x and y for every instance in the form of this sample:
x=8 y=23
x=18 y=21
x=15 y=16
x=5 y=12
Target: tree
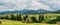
x=34 y=19
x=6 y=17
x=19 y=17
x=13 y=17
x=41 y=18
x=25 y=17
x=58 y=18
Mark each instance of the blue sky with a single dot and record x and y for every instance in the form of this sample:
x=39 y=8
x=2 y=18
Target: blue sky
x=11 y=5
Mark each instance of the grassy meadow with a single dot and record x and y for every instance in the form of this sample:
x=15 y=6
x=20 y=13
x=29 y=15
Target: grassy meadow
x=11 y=22
x=48 y=18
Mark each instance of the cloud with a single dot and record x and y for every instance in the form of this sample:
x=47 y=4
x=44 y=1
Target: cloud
x=14 y=4
x=11 y=5
x=54 y=4
x=36 y=5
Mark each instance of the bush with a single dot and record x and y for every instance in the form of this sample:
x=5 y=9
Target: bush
x=1 y=17
x=50 y=20
x=0 y=22
x=29 y=20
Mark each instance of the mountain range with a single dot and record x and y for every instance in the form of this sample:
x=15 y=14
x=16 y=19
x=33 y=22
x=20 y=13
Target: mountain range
x=25 y=11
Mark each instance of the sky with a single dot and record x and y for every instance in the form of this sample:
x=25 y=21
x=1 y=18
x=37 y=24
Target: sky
x=12 y=5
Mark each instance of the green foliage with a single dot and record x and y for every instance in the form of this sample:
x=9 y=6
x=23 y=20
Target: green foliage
x=25 y=17
x=1 y=17
x=41 y=18
x=29 y=20
x=34 y=19
x=58 y=18
x=6 y=17
x=13 y=17
x=50 y=20
x=47 y=18
x=19 y=17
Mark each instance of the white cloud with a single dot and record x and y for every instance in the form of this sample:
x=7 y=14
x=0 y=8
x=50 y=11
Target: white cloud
x=15 y=4
x=36 y=5
x=54 y=4
x=12 y=5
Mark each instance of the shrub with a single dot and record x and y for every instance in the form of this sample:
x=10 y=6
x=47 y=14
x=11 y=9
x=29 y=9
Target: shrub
x=50 y=20
x=58 y=23
x=2 y=18
x=0 y=22
x=29 y=20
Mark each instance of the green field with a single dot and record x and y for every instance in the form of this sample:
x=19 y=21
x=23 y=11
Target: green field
x=11 y=22
x=15 y=22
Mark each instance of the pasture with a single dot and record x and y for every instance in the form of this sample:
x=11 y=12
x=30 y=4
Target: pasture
x=49 y=19
x=11 y=22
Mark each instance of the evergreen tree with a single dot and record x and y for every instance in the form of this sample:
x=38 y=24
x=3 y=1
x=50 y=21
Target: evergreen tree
x=41 y=18
x=25 y=17
x=6 y=17
x=13 y=17
x=34 y=19
x=58 y=18
x=19 y=17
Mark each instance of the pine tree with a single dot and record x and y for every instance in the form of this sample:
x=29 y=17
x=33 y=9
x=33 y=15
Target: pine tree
x=34 y=19
x=58 y=18
x=41 y=18
x=19 y=17
x=25 y=17
x=6 y=17
x=13 y=17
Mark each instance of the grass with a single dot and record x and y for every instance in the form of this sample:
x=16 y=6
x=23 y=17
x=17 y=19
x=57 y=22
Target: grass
x=11 y=22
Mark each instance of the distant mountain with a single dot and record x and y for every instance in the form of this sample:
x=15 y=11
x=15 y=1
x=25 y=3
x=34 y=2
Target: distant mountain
x=42 y=11
x=57 y=11
x=25 y=11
